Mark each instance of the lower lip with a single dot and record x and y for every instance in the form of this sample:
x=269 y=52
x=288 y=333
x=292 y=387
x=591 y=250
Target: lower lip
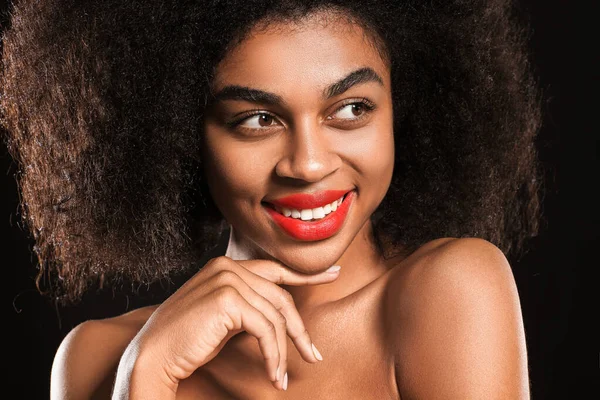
x=314 y=230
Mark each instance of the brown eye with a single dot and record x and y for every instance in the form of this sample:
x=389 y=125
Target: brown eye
x=352 y=111
x=357 y=109
x=265 y=120
x=258 y=121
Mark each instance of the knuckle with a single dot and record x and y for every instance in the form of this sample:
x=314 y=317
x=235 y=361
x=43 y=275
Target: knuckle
x=211 y=264
x=269 y=327
x=227 y=278
x=280 y=277
x=227 y=295
x=286 y=297
x=281 y=320
x=271 y=355
x=303 y=335
x=217 y=262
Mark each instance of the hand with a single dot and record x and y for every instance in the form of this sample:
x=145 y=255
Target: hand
x=222 y=299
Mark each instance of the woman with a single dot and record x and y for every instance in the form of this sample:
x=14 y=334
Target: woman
x=369 y=164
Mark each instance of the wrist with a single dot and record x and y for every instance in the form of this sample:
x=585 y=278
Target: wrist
x=140 y=375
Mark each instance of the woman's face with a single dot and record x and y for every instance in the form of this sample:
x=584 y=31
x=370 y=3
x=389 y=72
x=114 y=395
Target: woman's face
x=302 y=117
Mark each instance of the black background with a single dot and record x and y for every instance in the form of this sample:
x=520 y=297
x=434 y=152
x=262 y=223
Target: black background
x=557 y=279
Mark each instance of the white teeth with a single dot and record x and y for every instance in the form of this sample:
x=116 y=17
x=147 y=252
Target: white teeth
x=318 y=213
x=308 y=214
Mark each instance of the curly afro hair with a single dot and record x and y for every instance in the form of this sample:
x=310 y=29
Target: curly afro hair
x=102 y=108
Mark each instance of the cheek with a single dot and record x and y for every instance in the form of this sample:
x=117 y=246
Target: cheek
x=377 y=163
x=379 y=150
x=371 y=152
x=235 y=171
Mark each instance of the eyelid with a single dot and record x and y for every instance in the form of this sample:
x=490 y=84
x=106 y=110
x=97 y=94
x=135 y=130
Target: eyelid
x=370 y=106
x=240 y=118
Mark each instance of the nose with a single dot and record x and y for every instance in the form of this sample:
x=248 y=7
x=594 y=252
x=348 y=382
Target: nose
x=309 y=155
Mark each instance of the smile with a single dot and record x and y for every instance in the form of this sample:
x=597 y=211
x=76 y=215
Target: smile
x=310 y=214
x=310 y=224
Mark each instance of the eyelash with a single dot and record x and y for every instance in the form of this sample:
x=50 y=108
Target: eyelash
x=364 y=102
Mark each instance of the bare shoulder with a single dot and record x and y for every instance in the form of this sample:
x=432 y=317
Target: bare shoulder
x=449 y=258
x=87 y=359
x=457 y=332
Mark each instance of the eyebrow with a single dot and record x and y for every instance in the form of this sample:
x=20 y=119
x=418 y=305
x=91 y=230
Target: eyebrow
x=362 y=75
x=243 y=93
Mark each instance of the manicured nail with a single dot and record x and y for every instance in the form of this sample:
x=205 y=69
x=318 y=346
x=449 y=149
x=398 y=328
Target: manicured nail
x=334 y=269
x=285 y=381
x=317 y=354
x=277 y=374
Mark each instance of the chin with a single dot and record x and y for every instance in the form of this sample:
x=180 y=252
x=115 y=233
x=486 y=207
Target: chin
x=309 y=259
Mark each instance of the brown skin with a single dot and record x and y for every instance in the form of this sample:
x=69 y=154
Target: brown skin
x=442 y=323
x=311 y=145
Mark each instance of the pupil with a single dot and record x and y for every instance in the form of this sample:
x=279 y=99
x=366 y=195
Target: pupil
x=357 y=109
x=264 y=120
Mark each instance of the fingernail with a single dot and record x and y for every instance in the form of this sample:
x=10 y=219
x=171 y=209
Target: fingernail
x=316 y=352
x=277 y=373
x=334 y=269
x=285 y=381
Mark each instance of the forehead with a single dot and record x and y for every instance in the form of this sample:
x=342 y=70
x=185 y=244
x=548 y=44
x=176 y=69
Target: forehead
x=296 y=56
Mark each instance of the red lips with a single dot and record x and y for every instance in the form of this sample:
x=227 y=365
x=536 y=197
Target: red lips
x=303 y=201
x=312 y=230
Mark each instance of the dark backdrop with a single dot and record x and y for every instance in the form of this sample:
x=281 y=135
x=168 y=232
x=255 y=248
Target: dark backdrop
x=556 y=280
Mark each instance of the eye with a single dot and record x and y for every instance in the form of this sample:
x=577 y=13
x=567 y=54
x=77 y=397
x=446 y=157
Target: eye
x=353 y=111
x=350 y=111
x=258 y=121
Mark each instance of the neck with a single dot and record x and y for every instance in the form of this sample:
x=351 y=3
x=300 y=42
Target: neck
x=361 y=264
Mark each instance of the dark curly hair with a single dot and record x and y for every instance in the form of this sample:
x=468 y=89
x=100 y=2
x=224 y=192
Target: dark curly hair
x=102 y=107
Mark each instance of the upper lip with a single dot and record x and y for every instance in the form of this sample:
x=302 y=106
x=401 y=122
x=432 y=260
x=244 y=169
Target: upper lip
x=303 y=201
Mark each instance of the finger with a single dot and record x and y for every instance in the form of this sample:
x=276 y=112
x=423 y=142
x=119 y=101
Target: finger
x=269 y=311
x=280 y=274
x=283 y=303
x=240 y=314
x=280 y=323
x=281 y=299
